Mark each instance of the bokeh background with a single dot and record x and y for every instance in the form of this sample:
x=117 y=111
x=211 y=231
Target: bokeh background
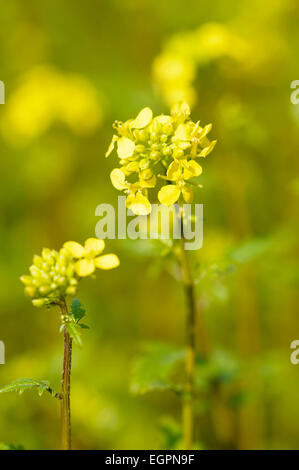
x=70 y=70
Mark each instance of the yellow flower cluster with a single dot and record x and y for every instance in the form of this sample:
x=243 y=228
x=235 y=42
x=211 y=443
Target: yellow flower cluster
x=55 y=274
x=164 y=146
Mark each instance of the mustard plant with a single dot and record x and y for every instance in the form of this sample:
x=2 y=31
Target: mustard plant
x=165 y=148
x=53 y=278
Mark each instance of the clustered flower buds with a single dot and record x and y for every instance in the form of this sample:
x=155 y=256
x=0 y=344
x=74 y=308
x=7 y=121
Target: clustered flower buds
x=163 y=146
x=56 y=274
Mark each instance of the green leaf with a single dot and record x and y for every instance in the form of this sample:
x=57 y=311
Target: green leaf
x=84 y=327
x=171 y=433
x=220 y=368
x=77 y=311
x=21 y=385
x=250 y=250
x=4 y=446
x=155 y=369
x=72 y=329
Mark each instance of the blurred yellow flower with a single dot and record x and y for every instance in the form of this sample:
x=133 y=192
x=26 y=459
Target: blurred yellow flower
x=45 y=96
x=174 y=69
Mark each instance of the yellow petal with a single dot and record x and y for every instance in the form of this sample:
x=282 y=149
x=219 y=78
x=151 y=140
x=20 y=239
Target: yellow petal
x=169 y=194
x=193 y=169
x=94 y=246
x=125 y=147
x=207 y=150
x=111 y=146
x=187 y=194
x=205 y=130
x=143 y=119
x=118 y=179
x=173 y=171
x=76 y=250
x=139 y=204
x=181 y=132
x=107 y=262
x=84 y=267
x=196 y=129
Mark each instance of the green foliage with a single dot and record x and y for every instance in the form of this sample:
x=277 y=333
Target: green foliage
x=72 y=322
x=161 y=367
x=171 y=433
x=220 y=368
x=156 y=369
x=4 y=446
x=73 y=330
x=21 y=385
x=250 y=250
x=77 y=311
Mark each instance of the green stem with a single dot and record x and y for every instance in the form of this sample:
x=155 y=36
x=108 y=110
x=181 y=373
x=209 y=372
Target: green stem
x=66 y=388
x=188 y=401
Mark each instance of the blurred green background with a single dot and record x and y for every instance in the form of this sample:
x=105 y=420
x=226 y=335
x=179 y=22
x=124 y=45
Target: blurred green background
x=70 y=70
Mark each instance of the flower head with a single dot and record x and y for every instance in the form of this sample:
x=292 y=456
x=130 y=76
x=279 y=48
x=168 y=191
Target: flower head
x=56 y=274
x=164 y=147
x=87 y=256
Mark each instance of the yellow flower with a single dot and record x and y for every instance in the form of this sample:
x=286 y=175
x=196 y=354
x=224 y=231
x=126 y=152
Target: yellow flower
x=178 y=172
x=125 y=145
x=148 y=146
x=136 y=200
x=88 y=256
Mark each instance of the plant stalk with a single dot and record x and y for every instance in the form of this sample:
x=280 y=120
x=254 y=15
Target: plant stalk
x=66 y=388
x=188 y=400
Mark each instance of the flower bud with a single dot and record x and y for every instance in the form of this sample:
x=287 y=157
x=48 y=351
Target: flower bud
x=35 y=272
x=167 y=128
x=155 y=156
x=154 y=136
x=27 y=280
x=38 y=261
x=141 y=135
x=61 y=281
x=30 y=291
x=146 y=174
x=143 y=164
x=71 y=290
x=178 y=153
x=140 y=148
x=156 y=147
x=44 y=290
x=132 y=166
x=166 y=151
x=39 y=302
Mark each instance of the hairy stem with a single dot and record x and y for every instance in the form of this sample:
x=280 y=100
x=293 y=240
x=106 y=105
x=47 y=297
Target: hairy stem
x=66 y=387
x=188 y=403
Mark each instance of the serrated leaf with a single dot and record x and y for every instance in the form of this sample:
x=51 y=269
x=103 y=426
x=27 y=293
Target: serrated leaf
x=21 y=385
x=154 y=370
x=77 y=311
